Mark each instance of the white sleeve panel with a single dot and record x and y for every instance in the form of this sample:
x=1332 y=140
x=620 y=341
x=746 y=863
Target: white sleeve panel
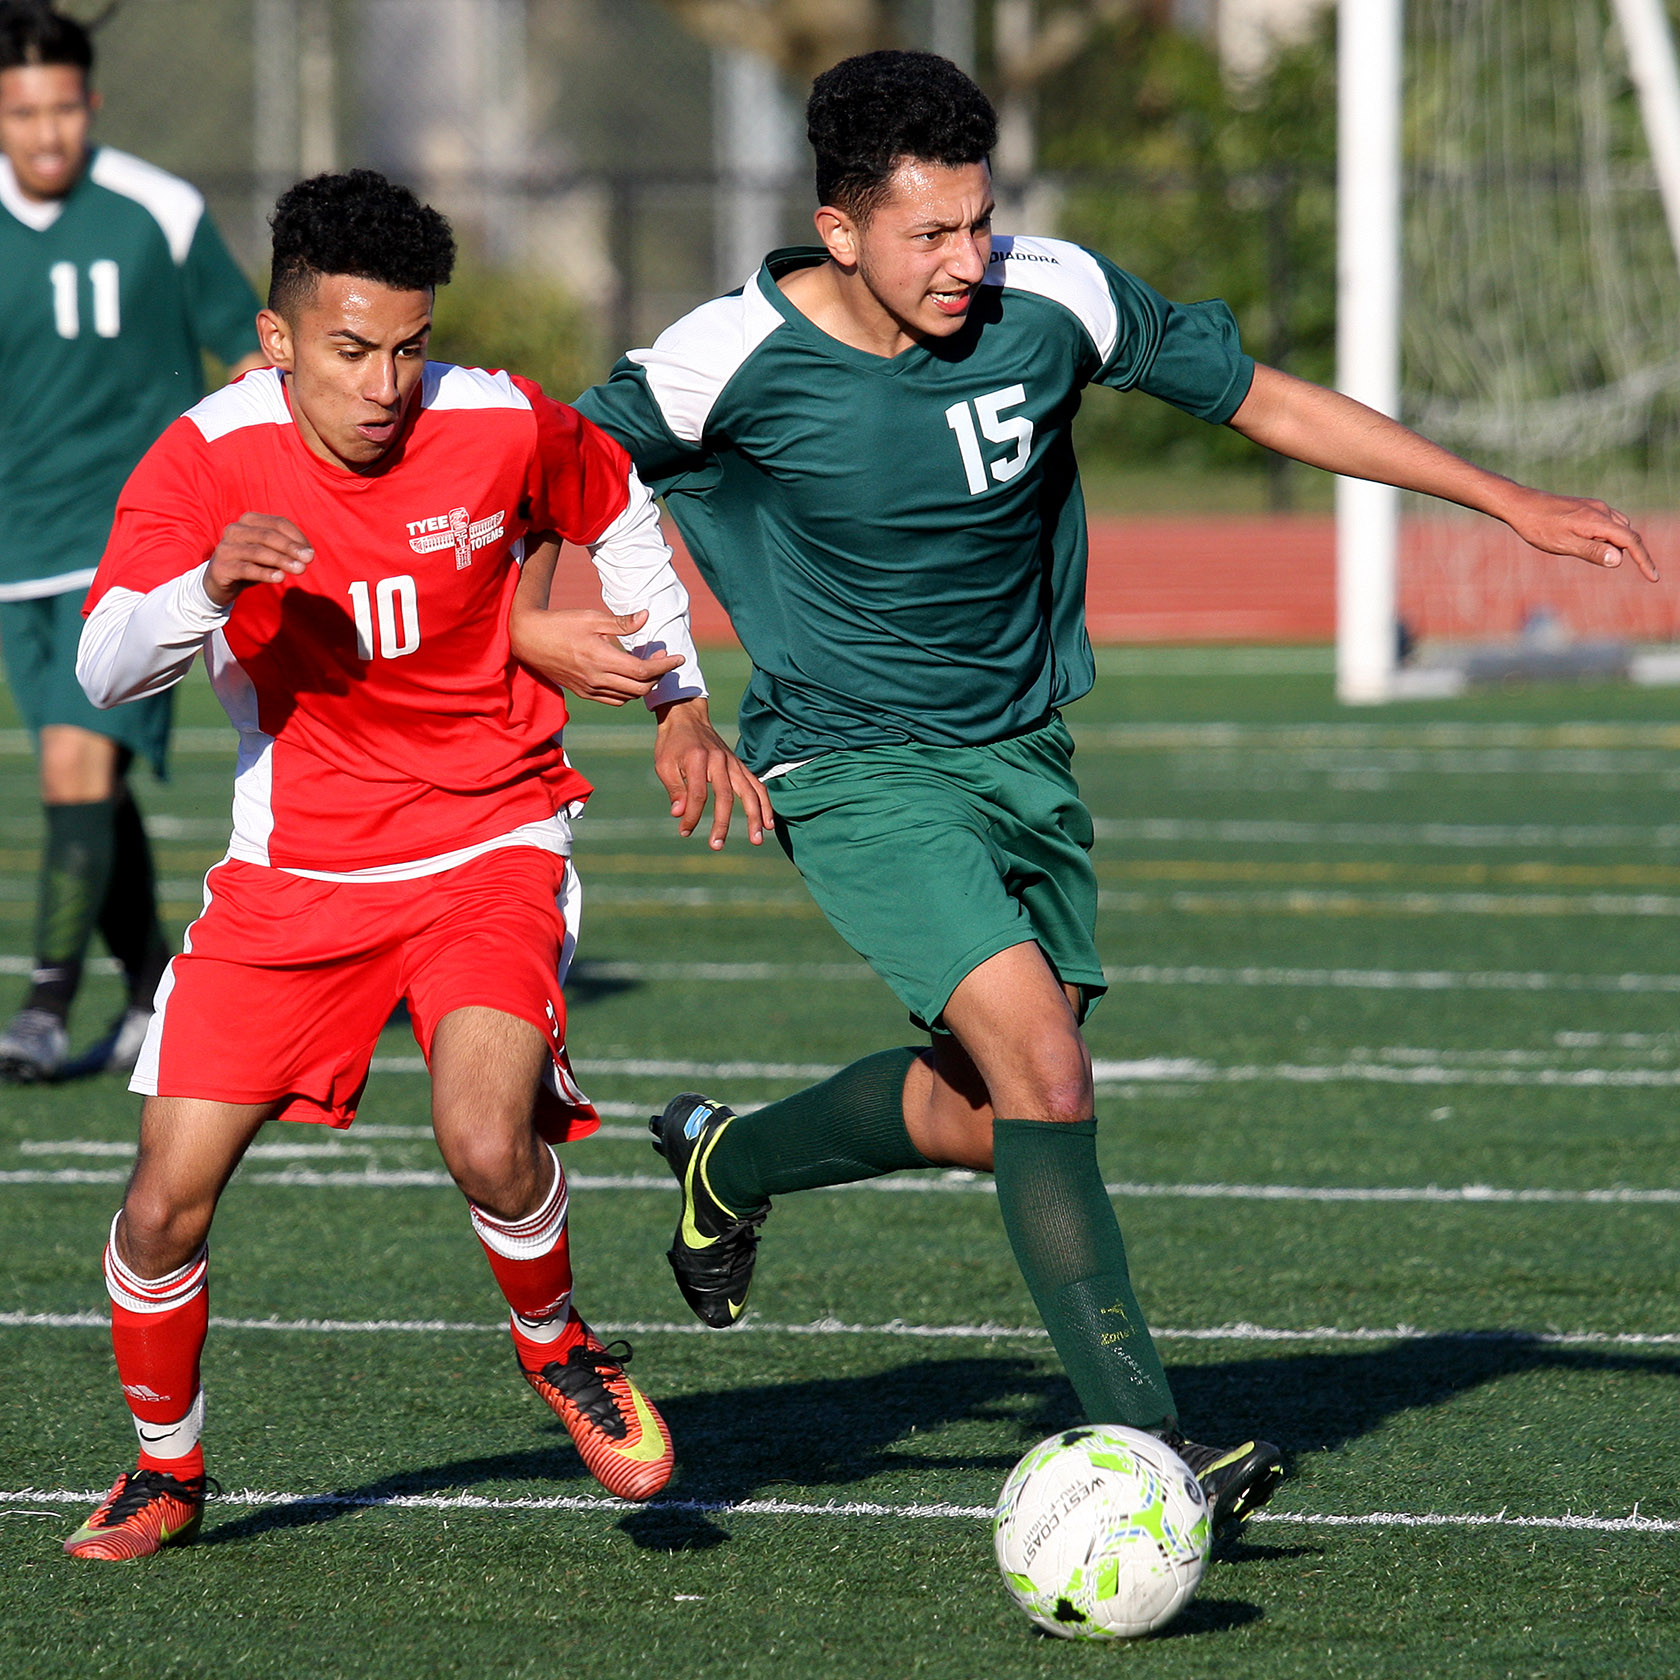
x=693 y=359
x=636 y=574
x=175 y=205
x=1064 y=273
x=134 y=645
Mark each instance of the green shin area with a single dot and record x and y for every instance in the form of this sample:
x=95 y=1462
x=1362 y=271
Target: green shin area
x=1386 y=1082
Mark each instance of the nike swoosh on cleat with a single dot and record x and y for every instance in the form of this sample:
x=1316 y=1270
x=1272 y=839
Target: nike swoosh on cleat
x=1230 y=1458
x=691 y=1234
x=651 y=1447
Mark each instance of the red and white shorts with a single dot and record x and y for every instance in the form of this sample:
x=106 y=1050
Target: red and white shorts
x=284 y=984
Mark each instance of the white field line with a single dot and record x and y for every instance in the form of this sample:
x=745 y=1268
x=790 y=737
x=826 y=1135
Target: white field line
x=1169 y=1070
x=250 y=1498
x=1392 y=979
x=1301 y=901
x=1459 y=836
x=1240 y=831
x=950 y=1183
x=94 y=965
x=1310 y=901
x=752 y=1325
x=1549 y=738
x=1136 y=974
x=102 y=1148
x=258 y=1151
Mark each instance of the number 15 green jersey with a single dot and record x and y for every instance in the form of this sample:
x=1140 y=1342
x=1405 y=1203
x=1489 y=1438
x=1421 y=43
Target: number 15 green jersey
x=900 y=541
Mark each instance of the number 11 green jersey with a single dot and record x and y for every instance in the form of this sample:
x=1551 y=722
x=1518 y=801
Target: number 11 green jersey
x=900 y=542
x=106 y=299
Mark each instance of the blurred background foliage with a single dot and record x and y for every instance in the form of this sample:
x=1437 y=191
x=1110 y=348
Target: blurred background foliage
x=602 y=213
x=524 y=322
x=1203 y=191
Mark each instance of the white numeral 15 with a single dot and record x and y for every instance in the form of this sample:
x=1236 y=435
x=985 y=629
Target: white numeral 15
x=1018 y=429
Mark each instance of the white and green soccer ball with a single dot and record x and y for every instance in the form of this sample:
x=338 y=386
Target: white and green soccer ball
x=1102 y=1532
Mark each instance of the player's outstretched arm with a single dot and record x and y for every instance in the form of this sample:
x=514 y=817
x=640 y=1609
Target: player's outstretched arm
x=1326 y=429
x=578 y=648
x=691 y=758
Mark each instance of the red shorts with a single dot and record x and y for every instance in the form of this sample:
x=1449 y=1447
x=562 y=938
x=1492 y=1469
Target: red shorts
x=285 y=984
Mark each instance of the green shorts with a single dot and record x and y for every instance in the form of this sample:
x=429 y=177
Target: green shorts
x=928 y=860
x=39 y=639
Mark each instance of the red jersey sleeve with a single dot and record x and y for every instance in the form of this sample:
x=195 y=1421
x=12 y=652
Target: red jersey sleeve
x=166 y=521
x=578 y=481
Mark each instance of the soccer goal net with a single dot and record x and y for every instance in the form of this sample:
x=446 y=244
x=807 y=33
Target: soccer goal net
x=1539 y=313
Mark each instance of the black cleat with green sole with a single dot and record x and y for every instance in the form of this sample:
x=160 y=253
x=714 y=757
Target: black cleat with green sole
x=715 y=1247
x=1236 y=1480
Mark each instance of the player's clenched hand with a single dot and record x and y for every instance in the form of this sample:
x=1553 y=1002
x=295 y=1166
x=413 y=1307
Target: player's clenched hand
x=689 y=757
x=255 y=548
x=578 y=648
x=1589 y=530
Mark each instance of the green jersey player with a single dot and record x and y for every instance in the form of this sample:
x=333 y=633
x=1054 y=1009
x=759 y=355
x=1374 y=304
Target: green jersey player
x=868 y=452
x=113 y=280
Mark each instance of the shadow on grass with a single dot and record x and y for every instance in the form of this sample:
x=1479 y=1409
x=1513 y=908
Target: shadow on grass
x=803 y=1439
x=734 y=1444
x=1309 y=1402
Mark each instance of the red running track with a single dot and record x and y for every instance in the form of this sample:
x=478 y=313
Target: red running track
x=1242 y=578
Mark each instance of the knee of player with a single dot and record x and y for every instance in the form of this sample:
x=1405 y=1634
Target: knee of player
x=1067 y=1099
x=492 y=1171
x=159 y=1232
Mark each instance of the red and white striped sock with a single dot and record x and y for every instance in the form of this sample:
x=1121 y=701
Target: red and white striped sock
x=157 y=1329
x=532 y=1260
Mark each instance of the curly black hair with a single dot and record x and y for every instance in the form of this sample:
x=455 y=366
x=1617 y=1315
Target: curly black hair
x=870 y=113
x=357 y=223
x=31 y=32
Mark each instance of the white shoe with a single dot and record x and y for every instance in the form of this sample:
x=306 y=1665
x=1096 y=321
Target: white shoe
x=119 y=1049
x=33 y=1047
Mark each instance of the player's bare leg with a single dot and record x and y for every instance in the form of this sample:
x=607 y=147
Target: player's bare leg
x=77 y=765
x=485 y=1069
x=156 y=1271
x=486 y=1066
x=1028 y=1058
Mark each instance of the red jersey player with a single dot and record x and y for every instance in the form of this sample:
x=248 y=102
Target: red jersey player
x=340 y=535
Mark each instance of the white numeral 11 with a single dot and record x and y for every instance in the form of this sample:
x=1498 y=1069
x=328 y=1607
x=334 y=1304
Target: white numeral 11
x=106 y=282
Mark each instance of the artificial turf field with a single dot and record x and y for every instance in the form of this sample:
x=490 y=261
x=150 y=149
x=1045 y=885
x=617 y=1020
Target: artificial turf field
x=1387 y=1078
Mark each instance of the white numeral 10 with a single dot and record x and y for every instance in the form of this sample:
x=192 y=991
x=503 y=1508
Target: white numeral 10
x=398 y=605
x=1018 y=429
x=106 y=282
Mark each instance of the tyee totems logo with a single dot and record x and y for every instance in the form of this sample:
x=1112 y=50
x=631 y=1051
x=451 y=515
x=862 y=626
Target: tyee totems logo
x=455 y=530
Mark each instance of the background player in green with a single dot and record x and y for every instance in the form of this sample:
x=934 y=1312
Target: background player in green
x=868 y=452
x=113 y=279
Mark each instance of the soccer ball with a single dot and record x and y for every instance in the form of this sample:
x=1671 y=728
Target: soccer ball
x=1102 y=1532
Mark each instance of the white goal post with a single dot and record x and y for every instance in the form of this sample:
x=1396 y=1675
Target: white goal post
x=1370 y=219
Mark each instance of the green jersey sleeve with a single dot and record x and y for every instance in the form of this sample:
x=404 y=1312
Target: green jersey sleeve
x=627 y=408
x=221 y=306
x=1187 y=354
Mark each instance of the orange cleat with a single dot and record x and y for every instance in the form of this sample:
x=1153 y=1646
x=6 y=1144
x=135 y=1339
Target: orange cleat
x=142 y=1514
x=622 y=1440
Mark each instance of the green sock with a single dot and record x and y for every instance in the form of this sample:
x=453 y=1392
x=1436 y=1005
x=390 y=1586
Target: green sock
x=128 y=919
x=75 y=873
x=847 y=1128
x=1069 y=1248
